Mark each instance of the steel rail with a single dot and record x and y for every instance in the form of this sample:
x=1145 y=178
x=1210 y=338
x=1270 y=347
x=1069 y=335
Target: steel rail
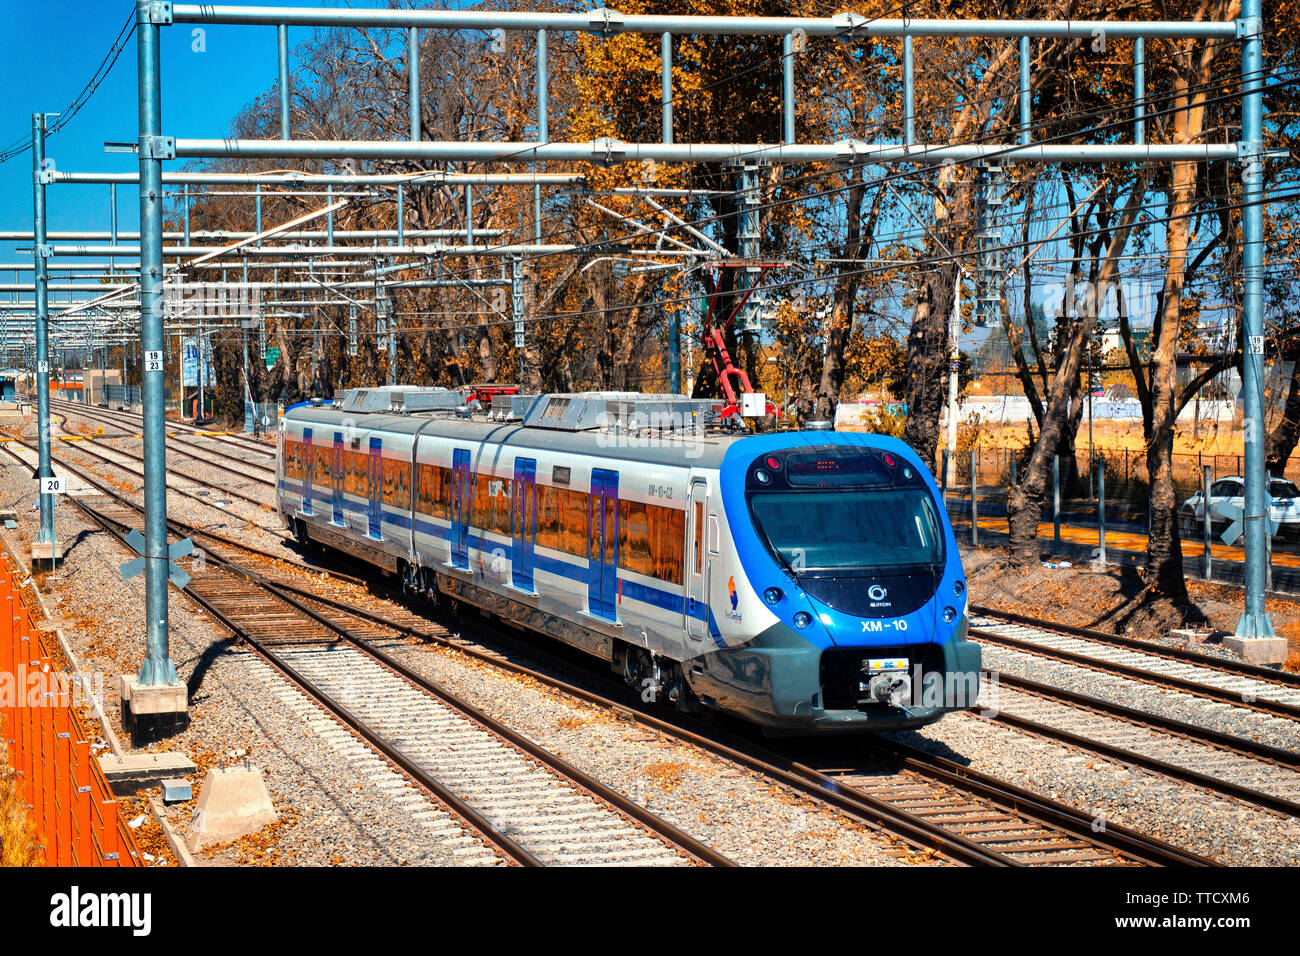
x=1141 y=674
x=1140 y=845
x=1204 y=780
x=1242 y=669
x=1243 y=746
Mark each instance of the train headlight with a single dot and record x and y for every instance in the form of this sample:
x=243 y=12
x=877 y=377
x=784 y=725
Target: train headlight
x=802 y=620
x=772 y=596
x=949 y=615
x=958 y=588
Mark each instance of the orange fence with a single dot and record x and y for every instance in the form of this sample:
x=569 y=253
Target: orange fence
x=73 y=811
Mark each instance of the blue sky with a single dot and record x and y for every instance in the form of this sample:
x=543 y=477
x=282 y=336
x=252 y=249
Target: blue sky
x=50 y=48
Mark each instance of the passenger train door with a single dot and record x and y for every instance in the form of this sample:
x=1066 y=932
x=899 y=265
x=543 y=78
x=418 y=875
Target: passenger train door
x=460 y=499
x=602 y=555
x=375 y=472
x=308 y=470
x=524 y=523
x=697 y=567
x=337 y=469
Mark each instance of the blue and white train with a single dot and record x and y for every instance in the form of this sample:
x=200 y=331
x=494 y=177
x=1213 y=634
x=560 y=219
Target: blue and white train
x=805 y=581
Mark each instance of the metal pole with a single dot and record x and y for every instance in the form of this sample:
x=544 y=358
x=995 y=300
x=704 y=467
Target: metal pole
x=1206 y=557
x=666 y=85
x=401 y=215
x=974 y=508
x=469 y=215
x=41 y=289
x=954 y=362
x=1139 y=90
x=282 y=42
x=1056 y=502
x=909 y=100
x=1025 y=93
x=1101 y=511
x=112 y=221
x=543 y=125
x=675 y=351
x=413 y=80
x=787 y=87
x=1255 y=621
x=157 y=668
x=943 y=480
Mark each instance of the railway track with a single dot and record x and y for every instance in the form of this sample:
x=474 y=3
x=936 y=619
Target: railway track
x=252 y=449
x=956 y=813
x=1267 y=691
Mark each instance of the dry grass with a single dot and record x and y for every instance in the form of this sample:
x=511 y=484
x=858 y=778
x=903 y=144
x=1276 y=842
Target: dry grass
x=18 y=846
x=667 y=775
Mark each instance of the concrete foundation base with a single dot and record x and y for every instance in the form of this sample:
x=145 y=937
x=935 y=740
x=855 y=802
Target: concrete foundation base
x=153 y=712
x=46 y=552
x=232 y=804
x=1268 y=651
x=129 y=773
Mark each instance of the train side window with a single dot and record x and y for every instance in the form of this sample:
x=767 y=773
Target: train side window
x=401 y=484
x=667 y=542
x=548 y=518
x=699 y=537
x=324 y=458
x=634 y=537
x=356 y=475
x=482 y=514
x=501 y=511
x=442 y=500
x=574 y=537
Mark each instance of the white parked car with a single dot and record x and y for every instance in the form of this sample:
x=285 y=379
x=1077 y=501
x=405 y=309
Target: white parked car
x=1284 y=507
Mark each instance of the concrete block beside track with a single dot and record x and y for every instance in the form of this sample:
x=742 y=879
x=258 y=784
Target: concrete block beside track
x=1267 y=651
x=232 y=803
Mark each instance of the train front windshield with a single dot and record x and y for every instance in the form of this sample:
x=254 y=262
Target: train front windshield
x=839 y=519
x=850 y=531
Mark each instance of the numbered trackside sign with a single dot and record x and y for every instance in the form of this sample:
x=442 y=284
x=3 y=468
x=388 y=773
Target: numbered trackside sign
x=53 y=485
x=153 y=360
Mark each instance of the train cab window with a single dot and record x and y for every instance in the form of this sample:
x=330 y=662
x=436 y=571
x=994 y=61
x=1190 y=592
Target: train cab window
x=714 y=535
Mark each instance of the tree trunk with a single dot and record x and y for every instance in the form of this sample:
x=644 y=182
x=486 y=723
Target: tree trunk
x=1025 y=501
x=1282 y=439
x=927 y=360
